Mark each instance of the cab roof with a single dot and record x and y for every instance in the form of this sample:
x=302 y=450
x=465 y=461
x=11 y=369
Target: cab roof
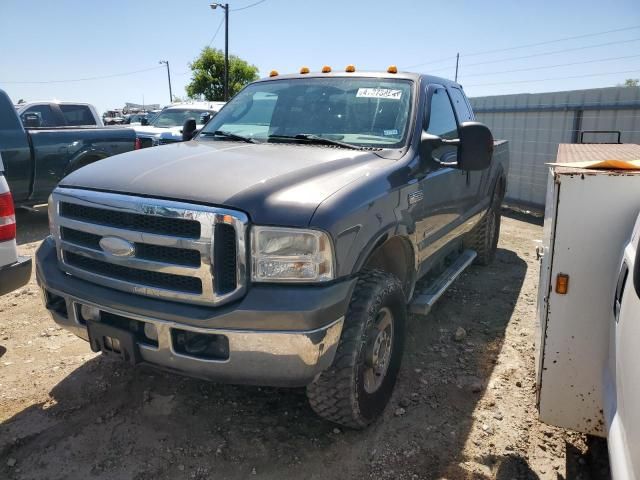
x=416 y=77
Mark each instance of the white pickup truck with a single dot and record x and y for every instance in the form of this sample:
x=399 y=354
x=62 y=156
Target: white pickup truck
x=58 y=114
x=588 y=351
x=15 y=271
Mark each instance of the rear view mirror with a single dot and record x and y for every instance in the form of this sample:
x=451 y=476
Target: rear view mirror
x=476 y=146
x=188 y=129
x=144 y=122
x=31 y=120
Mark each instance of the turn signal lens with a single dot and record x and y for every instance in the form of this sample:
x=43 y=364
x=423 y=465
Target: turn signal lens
x=392 y=69
x=326 y=69
x=562 y=283
x=350 y=68
x=304 y=70
x=273 y=73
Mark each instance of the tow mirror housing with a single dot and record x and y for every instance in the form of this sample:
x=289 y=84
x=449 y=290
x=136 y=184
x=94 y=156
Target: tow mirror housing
x=476 y=146
x=144 y=122
x=188 y=129
x=31 y=120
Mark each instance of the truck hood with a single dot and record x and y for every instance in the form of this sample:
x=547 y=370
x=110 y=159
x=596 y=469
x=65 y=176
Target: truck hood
x=272 y=183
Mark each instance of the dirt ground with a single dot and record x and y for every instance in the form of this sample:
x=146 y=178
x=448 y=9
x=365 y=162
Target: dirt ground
x=464 y=405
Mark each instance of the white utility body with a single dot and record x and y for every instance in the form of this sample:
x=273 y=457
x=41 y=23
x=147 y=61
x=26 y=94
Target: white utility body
x=589 y=218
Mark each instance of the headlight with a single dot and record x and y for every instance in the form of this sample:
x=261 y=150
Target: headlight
x=290 y=255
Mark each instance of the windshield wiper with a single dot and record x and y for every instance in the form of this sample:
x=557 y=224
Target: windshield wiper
x=229 y=135
x=311 y=138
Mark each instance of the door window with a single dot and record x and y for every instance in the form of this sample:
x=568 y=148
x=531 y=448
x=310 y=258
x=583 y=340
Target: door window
x=442 y=121
x=77 y=115
x=461 y=106
x=47 y=117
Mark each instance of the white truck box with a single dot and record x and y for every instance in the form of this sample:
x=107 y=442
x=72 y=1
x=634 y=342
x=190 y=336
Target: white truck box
x=589 y=218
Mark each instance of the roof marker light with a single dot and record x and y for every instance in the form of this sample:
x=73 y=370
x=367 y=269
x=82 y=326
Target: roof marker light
x=350 y=68
x=273 y=73
x=326 y=69
x=304 y=70
x=392 y=69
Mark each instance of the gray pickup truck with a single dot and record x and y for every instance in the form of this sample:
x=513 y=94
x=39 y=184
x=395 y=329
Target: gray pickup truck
x=283 y=244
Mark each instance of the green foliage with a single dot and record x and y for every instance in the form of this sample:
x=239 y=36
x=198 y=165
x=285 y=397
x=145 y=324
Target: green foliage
x=630 y=82
x=207 y=76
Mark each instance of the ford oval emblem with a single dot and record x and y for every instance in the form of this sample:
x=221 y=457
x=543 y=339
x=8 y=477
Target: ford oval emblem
x=117 y=246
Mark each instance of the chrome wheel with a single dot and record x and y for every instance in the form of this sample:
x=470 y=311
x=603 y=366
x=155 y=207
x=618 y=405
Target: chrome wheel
x=378 y=350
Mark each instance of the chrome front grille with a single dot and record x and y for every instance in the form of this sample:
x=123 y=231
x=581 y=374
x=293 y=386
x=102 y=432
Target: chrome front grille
x=179 y=251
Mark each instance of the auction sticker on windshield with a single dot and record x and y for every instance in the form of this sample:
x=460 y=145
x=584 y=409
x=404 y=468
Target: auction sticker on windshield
x=379 y=93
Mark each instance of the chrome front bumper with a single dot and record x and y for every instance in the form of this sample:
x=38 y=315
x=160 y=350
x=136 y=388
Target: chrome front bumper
x=268 y=358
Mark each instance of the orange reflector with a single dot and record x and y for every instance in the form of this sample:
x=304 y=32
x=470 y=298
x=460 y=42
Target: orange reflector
x=326 y=69
x=392 y=69
x=273 y=73
x=304 y=70
x=350 y=68
x=227 y=219
x=562 y=284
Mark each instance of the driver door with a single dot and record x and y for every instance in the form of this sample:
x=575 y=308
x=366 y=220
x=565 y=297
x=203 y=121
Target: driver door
x=444 y=187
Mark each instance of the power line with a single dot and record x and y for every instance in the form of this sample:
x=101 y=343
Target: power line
x=464 y=55
x=217 y=31
x=552 y=41
x=83 y=79
x=553 y=66
x=553 y=78
x=248 y=6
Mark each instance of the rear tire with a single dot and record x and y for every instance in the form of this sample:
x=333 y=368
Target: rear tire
x=355 y=390
x=484 y=236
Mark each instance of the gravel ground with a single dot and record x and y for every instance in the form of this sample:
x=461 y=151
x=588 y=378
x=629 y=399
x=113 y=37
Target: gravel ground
x=464 y=405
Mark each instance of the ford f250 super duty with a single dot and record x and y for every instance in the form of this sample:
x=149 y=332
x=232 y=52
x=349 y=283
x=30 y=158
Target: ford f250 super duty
x=37 y=157
x=282 y=245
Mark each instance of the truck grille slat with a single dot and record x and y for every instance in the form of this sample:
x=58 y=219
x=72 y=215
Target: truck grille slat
x=178 y=251
x=177 y=227
x=133 y=275
x=145 y=251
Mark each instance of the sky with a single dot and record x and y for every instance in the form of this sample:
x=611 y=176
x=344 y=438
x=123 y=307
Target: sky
x=54 y=42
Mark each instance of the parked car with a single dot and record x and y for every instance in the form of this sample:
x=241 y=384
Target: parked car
x=113 y=117
x=35 y=159
x=282 y=246
x=166 y=126
x=135 y=118
x=588 y=307
x=15 y=270
x=58 y=114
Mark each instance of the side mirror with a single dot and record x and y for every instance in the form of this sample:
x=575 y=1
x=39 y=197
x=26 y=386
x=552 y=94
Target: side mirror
x=205 y=118
x=31 y=120
x=188 y=129
x=636 y=271
x=144 y=122
x=476 y=146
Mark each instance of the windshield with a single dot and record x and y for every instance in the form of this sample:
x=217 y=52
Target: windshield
x=175 y=117
x=367 y=112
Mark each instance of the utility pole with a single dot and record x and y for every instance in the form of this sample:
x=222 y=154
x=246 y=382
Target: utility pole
x=225 y=7
x=457 y=62
x=166 y=62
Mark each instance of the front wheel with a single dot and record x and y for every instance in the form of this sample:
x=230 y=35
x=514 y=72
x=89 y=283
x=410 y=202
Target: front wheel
x=354 y=391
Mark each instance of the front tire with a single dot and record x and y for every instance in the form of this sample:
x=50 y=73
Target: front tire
x=354 y=391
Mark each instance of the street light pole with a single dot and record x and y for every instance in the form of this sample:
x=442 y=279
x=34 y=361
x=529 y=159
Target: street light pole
x=225 y=7
x=166 y=62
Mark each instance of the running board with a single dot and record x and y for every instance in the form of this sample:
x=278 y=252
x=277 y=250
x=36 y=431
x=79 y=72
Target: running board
x=425 y=299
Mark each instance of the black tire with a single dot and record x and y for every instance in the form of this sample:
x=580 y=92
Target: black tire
x=343 y=393
x=484 y=236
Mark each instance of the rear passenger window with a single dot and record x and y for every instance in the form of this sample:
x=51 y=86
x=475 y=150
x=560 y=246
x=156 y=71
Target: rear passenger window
x=442 y=121
x=460 y=104
x=77 y=115
x=45 y=113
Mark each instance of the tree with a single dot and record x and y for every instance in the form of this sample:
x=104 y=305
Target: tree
x=630 y=82
x=207 y=76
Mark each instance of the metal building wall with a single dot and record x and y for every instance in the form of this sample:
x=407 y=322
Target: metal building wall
x=534 y=124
